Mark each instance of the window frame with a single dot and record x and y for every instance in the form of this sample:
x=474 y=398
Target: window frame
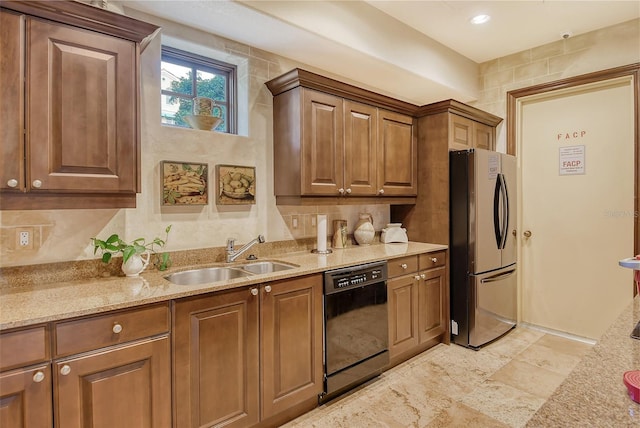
x=198 y=62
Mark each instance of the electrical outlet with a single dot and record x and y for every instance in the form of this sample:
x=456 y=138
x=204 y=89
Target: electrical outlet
x=294 y=221
x=24 y=238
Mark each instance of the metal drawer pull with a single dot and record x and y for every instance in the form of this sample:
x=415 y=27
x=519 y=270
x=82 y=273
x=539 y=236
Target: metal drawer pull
x=37 y=184
x=117 y=328
x=254 y=291
x=65 y=370
x=12 y=182
x=38 y=377
x=434 y=259
x=423 y=276
x=403 y=265
x=267 y=288
x=417 y=277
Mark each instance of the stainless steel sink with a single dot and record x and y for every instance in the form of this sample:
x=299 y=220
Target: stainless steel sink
x=206 y=275
x=266 y=267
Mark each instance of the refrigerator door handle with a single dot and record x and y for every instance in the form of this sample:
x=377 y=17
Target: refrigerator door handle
x=505 y=212
x=499 y=277
x=497 y=195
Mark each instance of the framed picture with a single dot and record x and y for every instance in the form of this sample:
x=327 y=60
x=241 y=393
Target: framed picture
x=184 y=183
x=236 y=184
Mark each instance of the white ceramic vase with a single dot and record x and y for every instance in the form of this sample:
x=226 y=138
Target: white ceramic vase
x=364 y=231
x=136 y=264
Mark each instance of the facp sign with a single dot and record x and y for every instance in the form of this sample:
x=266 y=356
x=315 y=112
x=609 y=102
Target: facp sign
x=572 y=160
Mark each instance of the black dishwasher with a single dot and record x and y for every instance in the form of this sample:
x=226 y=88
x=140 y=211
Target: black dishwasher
x=356 y=326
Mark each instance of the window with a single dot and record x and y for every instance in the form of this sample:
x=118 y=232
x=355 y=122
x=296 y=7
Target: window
x=213 y=79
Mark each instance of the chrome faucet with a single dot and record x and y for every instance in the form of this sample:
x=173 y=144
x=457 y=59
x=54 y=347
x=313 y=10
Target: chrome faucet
x=233 y=254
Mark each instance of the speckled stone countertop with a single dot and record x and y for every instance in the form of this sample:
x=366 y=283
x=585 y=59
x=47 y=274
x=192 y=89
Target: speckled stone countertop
x=593 y=395
x=40 y=302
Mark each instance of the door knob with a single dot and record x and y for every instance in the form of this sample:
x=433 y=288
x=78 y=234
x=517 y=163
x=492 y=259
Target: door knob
x=527 y=234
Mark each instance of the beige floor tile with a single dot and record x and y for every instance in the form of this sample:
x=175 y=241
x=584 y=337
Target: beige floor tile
x=505 y=403
x=501 y=385
x=548 y=358
x=529 y=378
x=567 y=346
x=459 y=415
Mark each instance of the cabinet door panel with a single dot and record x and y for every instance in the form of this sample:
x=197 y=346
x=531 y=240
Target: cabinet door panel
x=460 y=132
x=483 y=136
x=25 y=403
x=403 y=306
x=322 y=144
x=128 y=386
x=360 y=139
x=82 y=128
x=397 y=155
x=291 y=332
x=432 y=313
x=216 y=377
x=12 y=96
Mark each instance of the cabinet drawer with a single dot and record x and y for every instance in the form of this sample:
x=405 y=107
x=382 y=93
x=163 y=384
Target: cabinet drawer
x=86 y=334
x=24 y=347
x=433 y=260
x=401 y=266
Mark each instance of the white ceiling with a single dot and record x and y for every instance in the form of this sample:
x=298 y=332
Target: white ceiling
x=418 y=51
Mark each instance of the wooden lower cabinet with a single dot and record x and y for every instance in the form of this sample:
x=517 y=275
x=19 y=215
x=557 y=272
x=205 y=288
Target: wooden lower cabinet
x=246 y=356
x=124 y=386
x=432 y=303
x=418 y=307
x=402 y=300
x=25 y=398
x=291 y=325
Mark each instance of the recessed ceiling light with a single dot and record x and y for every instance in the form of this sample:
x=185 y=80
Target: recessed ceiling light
x=480 y=19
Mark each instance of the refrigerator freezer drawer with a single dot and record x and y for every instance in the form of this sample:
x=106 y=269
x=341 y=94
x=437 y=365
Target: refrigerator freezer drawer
x=493 y=305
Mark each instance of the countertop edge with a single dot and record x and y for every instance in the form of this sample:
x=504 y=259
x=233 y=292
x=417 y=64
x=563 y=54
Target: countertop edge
x=33 y=305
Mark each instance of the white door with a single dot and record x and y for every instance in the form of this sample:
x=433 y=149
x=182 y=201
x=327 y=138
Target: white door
x=576 y=155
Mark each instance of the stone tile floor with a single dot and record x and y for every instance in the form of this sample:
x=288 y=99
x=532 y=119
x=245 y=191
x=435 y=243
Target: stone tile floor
x=501 y=385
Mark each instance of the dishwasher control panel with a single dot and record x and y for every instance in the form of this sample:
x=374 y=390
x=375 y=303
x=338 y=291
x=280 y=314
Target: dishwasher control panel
x=354 y=276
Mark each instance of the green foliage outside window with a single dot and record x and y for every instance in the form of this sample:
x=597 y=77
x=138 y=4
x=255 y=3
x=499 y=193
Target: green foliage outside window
x=212 y=88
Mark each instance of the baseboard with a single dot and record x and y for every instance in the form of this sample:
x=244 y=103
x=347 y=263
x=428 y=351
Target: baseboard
x=558 y=333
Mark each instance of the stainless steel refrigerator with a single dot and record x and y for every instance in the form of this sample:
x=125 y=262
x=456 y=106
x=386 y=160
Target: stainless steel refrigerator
x=482 y=246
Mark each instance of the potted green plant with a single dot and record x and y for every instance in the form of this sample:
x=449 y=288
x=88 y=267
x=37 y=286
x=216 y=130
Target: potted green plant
x=135 y=255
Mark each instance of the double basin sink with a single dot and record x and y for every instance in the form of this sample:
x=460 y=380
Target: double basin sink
x=223 y=273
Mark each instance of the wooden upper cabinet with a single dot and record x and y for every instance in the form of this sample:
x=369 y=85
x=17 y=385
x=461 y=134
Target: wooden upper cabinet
x=70 y=86
x=465 y=134
x=397 y=155
x=12 y=107
x=82 y=133
x=360 y=152
x=322 y=144
x=336 y=140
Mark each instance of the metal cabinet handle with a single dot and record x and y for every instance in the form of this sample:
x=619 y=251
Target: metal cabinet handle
x=417 y=277
x=254 y=291
x=65 y=370
x=37 y=184
x=423 y=276
x=403 y=266
x=381 y=192
x=348 y=191
x=527 y=234
x=117 y=328
x=267 y=288
x=434 y=259
x=12 y=183
x=38 y=376
x=341 y=191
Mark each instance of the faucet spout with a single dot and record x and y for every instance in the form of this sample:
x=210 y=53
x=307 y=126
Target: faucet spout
x=233 y=254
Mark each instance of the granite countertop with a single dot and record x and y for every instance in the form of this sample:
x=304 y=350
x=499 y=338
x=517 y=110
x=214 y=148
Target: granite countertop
x=593 y=395
x=36 y=303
